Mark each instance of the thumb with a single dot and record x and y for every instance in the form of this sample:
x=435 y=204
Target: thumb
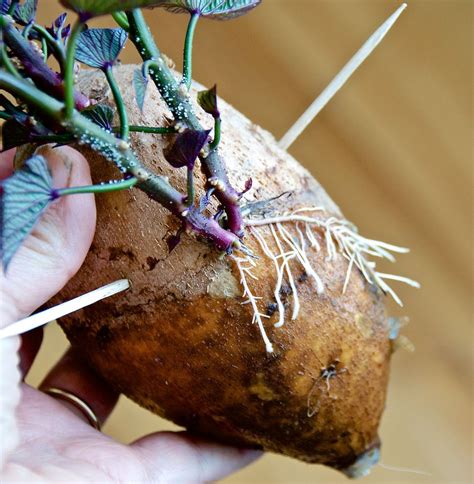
x=58 y=244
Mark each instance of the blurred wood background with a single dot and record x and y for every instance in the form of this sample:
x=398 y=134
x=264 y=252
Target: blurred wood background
x=394 y=151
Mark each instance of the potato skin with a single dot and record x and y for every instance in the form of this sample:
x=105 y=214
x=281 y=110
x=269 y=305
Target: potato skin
x=181 y=343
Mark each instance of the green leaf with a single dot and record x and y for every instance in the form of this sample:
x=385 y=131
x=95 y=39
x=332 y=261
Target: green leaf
x=219 y=9
x=93 y=8
x=23 y=198
x=26 y=12
x=208 y=101
x=100 y=114
x=100 y=48
x=140 y=83
x=216 y=9
x=4 y=6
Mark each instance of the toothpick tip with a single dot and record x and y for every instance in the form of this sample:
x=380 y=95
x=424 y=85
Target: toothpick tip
x=63 y=309
x=339 y=80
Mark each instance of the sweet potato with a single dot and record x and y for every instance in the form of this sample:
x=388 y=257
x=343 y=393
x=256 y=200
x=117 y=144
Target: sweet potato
x=181 y=343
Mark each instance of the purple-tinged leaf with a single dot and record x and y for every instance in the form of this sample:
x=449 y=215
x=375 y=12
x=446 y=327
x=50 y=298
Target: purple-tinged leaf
x=208 y=101
x=100 y=114
x=140 y=83
x=186 y=148
x=23 y=198
x=58 y=28
x=215 y=9
x=92 y=8
x=5 y=6
x=25 y=12
x=100 y=48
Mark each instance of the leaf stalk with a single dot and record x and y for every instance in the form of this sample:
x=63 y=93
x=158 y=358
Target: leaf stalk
x=124 y=128
x=188 y=50
x=69 y=68
x=102 y=188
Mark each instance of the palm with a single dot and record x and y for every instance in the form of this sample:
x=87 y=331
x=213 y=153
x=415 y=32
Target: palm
x=55 y=444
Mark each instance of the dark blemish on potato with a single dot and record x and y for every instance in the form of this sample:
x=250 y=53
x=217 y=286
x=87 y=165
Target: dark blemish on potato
x=271 y=308
x=116 y=253
x=151 y=262
x=103 y=337
x=303 y=277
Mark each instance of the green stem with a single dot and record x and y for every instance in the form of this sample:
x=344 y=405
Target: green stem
x=217 y=134
x=5 y=60
x=44 y=48
x=68 y=138
x=119 y=102
x=102 y=188
x=26 y=30
x=188 y=50
x=121 y=19
x=179 y=104
x=4 y=115
x=162 y=76
x=190 y=186
x=151 y=129
x=69 y=69
x=57 y=48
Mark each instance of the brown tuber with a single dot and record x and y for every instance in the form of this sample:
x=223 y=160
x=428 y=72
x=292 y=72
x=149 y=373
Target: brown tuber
x=181 y=343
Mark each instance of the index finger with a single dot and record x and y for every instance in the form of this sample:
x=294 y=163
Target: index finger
x=6 y=163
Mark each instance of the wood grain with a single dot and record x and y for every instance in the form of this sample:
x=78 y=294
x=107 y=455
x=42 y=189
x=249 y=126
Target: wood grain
x=394 y=151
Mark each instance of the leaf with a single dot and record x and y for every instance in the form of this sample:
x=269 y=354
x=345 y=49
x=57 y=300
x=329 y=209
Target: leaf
x=208 y=101
x=15 y=133
x=186 y=148
x=100 y=47
x=93 y=8
x=26 y=12
x=58 y=26
x=5 y=6
x=100 y=114
x=215 y=9
x=219 y=9
x=140 y=83
x=24 y=197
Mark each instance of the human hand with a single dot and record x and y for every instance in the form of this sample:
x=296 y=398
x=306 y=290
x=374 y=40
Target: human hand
x=48 y=439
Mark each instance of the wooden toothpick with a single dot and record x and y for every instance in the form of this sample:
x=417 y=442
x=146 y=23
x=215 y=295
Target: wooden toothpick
x=44 y=317
x=318 y=104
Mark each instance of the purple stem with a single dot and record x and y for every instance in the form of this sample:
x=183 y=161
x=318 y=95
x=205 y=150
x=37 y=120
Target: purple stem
x=32 y=62
x=210 y=229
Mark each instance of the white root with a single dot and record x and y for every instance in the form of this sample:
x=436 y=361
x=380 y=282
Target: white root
x=251 y=299
x=290 y=255
x=341 y=238
x=279 y=271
